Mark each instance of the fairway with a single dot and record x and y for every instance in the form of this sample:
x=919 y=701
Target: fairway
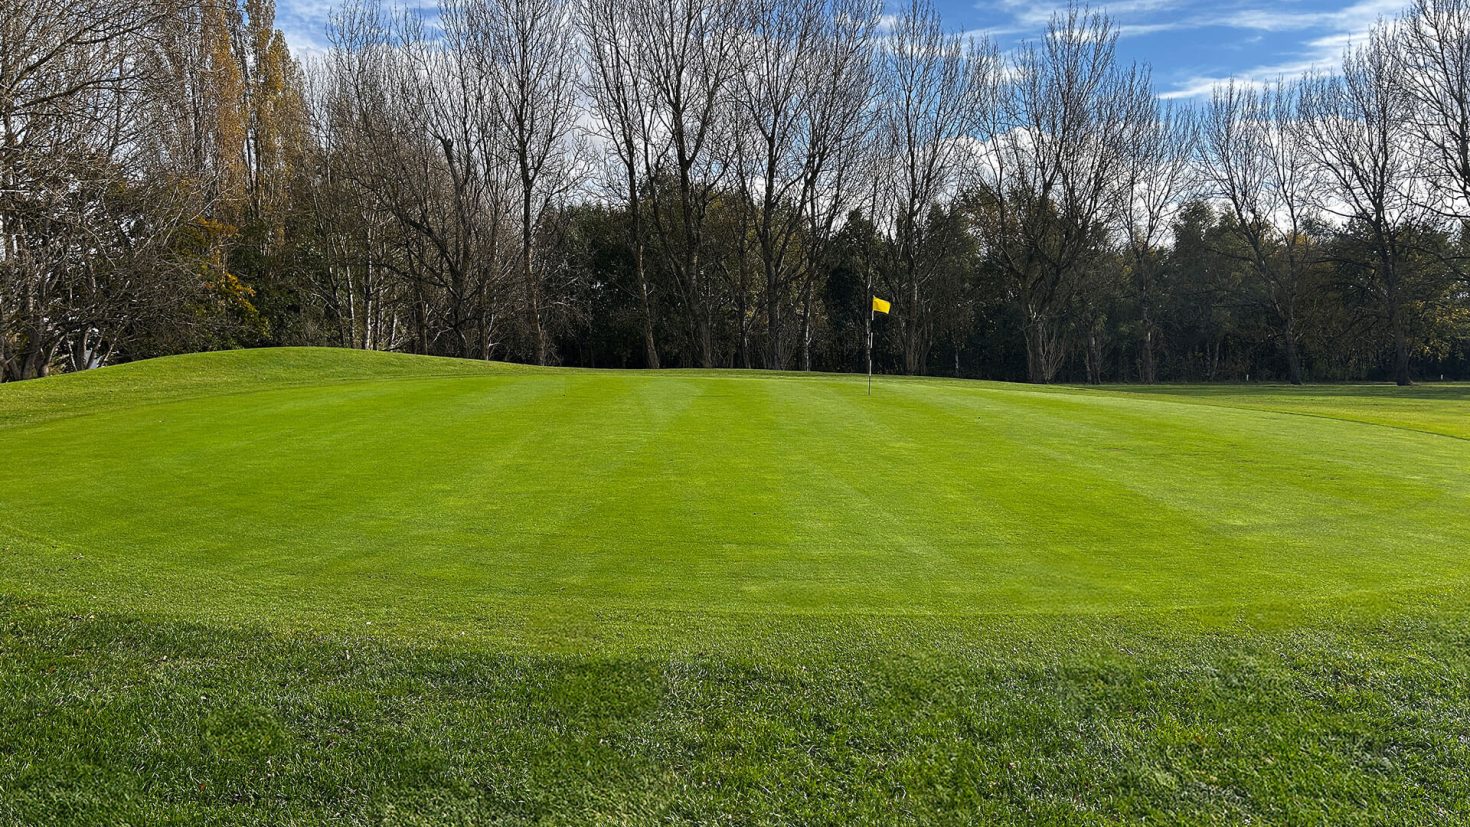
x=939 y=534
x=441 y=498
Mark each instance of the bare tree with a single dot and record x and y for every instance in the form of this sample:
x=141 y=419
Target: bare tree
x=91 y=191
x=614 y=82
x=521 y=57
x=1358 y=128
x=425 y=150
x=1432 y=44
x=932 y=87
x=1158 y=180
x=770 y=91
x=1256 y=159
x=801 y=95
x=170 y=179
x=833 y=131
x=1052 y=175
x=357 y=295
x=686 y=56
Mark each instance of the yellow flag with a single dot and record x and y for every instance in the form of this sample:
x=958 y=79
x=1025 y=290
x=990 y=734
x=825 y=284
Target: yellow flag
x=880 y=306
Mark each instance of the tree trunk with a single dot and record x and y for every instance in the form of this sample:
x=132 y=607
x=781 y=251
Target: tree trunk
x=1293 y=358
x=1041 y=357
x=706 y=340
x=1094 y=358
x=1034 y=357
x=1401 y=355
x=32 y=361
x=640 y=270
x=533 y=286
x=773 y=320
x=912 y=358
x=806 y=326
x=650 y=347
x=33 y=358
x=1148 y=363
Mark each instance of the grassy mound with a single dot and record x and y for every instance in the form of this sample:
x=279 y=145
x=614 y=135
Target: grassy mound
x=308 y=584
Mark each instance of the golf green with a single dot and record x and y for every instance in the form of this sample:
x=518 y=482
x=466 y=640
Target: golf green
x=430 y=505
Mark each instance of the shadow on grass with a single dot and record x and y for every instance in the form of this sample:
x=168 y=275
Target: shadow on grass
x=117 y=719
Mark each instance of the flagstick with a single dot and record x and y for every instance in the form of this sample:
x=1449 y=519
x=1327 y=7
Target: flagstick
x=872 y=317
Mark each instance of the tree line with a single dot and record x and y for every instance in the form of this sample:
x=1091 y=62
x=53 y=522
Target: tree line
x=724 y=183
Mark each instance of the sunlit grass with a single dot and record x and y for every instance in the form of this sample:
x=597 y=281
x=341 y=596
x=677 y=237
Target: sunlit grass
x=457 y=590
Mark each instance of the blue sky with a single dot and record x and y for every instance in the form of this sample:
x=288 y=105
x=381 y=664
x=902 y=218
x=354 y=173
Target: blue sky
x=1193 y=44
x=1190 y=43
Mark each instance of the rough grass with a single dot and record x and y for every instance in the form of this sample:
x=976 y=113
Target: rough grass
x=333 y=587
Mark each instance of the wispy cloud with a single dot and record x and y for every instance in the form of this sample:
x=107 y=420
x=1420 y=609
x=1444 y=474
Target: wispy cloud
x=1305 y=39
x=305 y=23
x=1288 y=37
x=1327 y=34
x=1021 y=17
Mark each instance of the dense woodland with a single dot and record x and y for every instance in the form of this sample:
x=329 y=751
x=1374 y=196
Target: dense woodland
x=717 y=183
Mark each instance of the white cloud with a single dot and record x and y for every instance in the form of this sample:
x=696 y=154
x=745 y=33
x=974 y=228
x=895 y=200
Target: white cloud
x=1324 y=33
x=1030 y=18
x=1332 y=32
x=305 y=22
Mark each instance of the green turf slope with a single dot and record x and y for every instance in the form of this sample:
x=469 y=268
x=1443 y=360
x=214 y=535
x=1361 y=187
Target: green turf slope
x=309 y=584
